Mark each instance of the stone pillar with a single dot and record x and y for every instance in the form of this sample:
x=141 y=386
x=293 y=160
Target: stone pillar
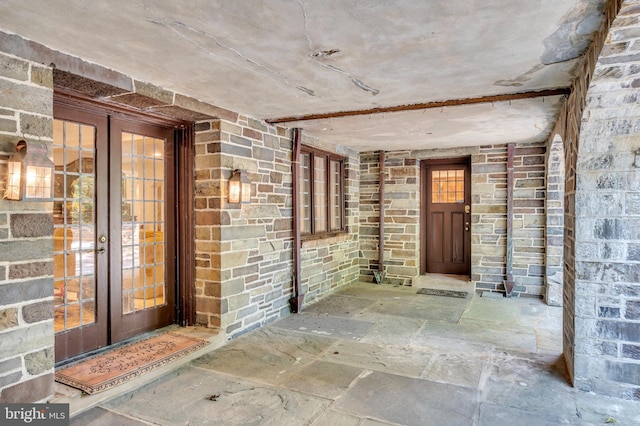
x=607 y=219
x=369 y=216
x=554 y=230
x=26 y=242
x=402 y=217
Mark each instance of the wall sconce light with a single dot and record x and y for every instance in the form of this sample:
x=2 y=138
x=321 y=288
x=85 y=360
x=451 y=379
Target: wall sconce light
x=239 y=187
x=30 y=173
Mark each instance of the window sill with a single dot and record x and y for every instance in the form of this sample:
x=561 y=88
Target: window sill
x=309 y=241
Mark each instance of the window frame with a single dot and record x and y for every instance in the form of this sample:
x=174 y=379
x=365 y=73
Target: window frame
x=330 y=157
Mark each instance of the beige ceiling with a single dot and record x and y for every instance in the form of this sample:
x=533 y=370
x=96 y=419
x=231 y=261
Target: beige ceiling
x=289 y=58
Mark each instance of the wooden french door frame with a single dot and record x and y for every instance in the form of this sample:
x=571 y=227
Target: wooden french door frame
x=425 y=205
x=78 y=108
x=125 y=325
x=74 y=341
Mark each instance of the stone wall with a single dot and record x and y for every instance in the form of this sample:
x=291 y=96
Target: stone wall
x=488 y=208
x=554 y=229
x=244 y=252
x=401 y=209
x=568 y=127
x=330 y=263
x=26 y=241
x=607 y=219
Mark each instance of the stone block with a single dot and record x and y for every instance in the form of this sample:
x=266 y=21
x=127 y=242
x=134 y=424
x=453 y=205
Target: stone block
x=19 y=250
x=195 y=105
x=26 y=339
x=623 y=372
x=233 y=259
x=264 y=154
x=229 y=233
x=16 y=292
x=261 y=211
x=31 y=269
x=202 y=126
x=159 y=94
x=632 y=310
x=36 y=312
x=7 y=379
x=8 y=318
x=23 y=97
x=40 y=361
x=37 y=389
x=251 y=133
x=608 y=312
x=632 y=203
x=208 y=305
x=617 y=330
x=631 y=351
x=31 y=225
x=8 y=125
x=36 y=126
x=238 y=301
x=13 y=68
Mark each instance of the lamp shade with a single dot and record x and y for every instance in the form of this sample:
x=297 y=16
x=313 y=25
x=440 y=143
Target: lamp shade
x=239 y=187
x=30 y=173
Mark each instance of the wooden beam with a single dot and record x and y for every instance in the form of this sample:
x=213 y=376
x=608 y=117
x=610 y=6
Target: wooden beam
x=427 y=105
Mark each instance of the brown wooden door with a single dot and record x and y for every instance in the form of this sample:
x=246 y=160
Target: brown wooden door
x=80 y=154
x=142 y=226
x=114 y=228
x=447 y=239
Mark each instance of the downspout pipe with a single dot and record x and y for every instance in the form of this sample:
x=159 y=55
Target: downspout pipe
x=509 y=284
x=298 y=297
x=379 y=277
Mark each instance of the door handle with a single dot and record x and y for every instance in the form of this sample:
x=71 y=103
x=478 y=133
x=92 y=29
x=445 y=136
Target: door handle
x=102 y=239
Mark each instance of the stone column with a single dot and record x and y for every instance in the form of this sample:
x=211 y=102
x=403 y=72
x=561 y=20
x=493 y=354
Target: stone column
x=26 y=241
x=607 y=219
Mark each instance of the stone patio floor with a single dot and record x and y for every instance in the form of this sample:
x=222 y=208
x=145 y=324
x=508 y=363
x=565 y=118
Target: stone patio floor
x=379 y=355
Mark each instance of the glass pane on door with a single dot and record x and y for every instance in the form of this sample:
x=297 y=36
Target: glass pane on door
x=447 y=186
x=74 y=232
x=143 y=223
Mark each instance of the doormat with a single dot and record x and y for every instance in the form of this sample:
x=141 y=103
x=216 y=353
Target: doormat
x=117 y=366
x=446 y=293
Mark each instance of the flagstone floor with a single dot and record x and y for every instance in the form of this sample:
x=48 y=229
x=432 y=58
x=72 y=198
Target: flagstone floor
x=379 y=355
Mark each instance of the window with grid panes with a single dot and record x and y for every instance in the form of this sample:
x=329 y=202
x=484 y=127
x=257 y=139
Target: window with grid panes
x=321 y=206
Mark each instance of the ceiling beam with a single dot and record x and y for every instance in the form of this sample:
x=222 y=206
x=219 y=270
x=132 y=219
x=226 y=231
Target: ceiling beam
x=426 y=105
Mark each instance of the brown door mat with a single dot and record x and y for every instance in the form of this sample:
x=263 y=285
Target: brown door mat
x=117 y=366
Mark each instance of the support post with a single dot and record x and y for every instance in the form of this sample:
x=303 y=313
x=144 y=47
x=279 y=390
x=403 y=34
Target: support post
x=379 y=276
x=298 y=297
x=508 y=282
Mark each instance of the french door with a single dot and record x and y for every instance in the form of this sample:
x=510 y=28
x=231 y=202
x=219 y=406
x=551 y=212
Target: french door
x=114 y=258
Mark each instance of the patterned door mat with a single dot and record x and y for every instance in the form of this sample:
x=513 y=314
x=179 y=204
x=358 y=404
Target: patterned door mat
x=445 y=293
x=117 y=366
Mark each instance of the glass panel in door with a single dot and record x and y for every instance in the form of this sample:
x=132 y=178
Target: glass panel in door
x=141 y=194
x=143 y=223
x=80 y=274
x=74 y=232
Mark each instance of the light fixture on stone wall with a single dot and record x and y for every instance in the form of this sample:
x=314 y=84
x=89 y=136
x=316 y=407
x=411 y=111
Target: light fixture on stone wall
x=30 y=173
x=239 y=187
